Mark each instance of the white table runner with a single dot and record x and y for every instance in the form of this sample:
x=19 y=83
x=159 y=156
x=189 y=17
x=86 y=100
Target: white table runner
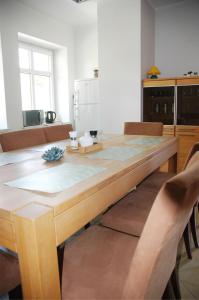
x=116 y=153
x=11 y=158
x=56 y=179
x=147 y=140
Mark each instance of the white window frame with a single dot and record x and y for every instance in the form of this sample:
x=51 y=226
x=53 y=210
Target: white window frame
x=33 y=72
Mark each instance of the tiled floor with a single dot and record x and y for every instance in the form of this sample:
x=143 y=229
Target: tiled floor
x=189 y=275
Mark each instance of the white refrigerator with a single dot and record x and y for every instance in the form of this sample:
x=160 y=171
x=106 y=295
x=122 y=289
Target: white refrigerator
x=86 y=105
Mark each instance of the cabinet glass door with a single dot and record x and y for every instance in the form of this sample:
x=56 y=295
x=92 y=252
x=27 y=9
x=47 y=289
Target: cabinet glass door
x=158 y=105
x=188 y=105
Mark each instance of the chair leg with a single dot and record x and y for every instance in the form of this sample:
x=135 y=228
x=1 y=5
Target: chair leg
x=16 y=294
x=169 y=292
x=175 y=284
x=87 y=225
x=193 y=228
x=187 y=241
x=60 y=255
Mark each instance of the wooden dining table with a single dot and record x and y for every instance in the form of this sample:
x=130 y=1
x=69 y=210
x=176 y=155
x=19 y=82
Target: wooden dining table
x=33 y=223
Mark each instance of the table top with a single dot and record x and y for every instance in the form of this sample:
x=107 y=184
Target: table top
x=12 y=198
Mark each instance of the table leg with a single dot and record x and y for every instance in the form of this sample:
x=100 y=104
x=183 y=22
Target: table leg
x=172 y=164
x=37 y=252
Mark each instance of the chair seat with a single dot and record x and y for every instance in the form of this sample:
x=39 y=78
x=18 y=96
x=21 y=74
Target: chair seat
x=10 y=276
x=96 y=264
x=130 y=214
x=156 y=180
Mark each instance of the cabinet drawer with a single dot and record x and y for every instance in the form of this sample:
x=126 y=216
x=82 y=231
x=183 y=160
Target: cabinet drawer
x=154 y=83
x=169 y=130
x=187 y=81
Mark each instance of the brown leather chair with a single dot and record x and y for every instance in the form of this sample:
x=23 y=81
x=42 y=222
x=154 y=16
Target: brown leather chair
x=143 y=128
x=130 y=213
x=22 y=139
x=57 y=133
x=10 y=277
x=106 y=264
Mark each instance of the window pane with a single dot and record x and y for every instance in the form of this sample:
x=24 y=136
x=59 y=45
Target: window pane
x=42 y=92
x=41 y=62
x=26 y=91
x=24 y=58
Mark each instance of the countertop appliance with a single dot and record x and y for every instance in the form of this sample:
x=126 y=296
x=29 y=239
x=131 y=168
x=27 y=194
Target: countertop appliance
x=32 y=117
x=50 y=116
x=87 y=105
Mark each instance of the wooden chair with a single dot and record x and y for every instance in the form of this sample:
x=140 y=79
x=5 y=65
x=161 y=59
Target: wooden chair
x=106 y=264
x=22 y=139
x=10 y=277
x=57 y=133
x=143 y=128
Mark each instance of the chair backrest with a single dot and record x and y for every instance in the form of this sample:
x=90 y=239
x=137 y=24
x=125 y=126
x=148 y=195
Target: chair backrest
x=57 y=133
x=143 y=128
x=10 y=276
x=194 y=149
x=22 y=139
x=155 y=255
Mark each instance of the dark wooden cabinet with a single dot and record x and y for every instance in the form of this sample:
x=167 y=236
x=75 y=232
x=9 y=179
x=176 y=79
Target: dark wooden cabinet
x=175 y=103
x=158 y=104
x=188 y=105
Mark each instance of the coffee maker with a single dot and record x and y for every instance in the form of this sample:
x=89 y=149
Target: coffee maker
x=50 y=116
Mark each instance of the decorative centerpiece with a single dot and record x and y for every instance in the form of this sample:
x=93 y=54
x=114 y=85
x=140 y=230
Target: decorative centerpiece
x=53 y=154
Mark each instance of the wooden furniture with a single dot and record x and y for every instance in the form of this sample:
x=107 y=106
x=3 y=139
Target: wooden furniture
x=107 y=264
x=10 y=276
x=187 y=137
x=32 y=137
x=49 y=219
x=57 y=133
x=143 y=128
x=21 y=139
x=130 y=214
x=175 y=102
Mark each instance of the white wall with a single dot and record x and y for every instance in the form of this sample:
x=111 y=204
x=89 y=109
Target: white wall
x=119 y=32
x=3 y=118
x=86 y=51
x=147 y=37
x=177 y=41
x=16 y=17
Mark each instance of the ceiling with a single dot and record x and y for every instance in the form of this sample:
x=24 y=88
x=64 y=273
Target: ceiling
x=78 y=14
x=161 y=3
x=66 y=11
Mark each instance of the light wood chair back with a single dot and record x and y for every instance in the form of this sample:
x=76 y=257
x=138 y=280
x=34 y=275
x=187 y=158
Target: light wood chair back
x=143 y=128
x=9 y=276
x=57 y=132
x=15 y=140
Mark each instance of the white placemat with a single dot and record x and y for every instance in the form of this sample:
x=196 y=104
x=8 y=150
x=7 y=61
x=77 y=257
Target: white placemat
x=56 y=179
x=11 y=158
x=116 y=153
x=147 y=140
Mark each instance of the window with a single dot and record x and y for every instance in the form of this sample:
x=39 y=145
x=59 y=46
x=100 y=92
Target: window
x=36 y=77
